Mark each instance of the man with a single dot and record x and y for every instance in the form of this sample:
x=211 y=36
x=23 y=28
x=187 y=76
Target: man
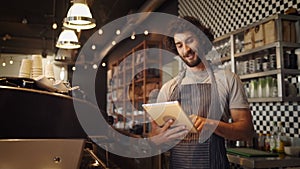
x=210 y=96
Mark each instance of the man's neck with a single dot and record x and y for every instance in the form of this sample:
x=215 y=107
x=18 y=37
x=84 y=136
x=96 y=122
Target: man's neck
x=199 y=67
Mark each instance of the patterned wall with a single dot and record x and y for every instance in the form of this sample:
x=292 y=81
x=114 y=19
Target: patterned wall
x=264 y=114
x=226 y=16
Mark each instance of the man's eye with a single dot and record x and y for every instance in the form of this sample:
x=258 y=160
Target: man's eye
x=178 y=45
x=190 y=40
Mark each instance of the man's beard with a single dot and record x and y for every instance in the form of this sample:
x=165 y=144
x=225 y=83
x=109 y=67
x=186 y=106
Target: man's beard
x=194 y=63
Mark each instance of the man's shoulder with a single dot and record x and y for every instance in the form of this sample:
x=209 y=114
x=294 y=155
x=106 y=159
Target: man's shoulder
x=169 y=82
x=224 y=73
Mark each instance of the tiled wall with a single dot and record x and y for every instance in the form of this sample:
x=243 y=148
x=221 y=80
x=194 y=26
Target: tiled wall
x=226 y=16
x=264 y=114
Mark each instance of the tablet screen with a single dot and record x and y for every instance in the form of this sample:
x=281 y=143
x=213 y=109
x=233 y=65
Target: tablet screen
x=164 y=111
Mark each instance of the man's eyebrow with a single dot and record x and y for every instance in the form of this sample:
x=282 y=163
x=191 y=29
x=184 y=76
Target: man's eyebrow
x=190 y=37
x=176 y=43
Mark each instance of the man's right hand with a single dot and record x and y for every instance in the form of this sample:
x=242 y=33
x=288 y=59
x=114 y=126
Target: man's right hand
x=167 y=133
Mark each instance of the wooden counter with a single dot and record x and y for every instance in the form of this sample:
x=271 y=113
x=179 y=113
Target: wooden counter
x=30 y=113
x=264 y=162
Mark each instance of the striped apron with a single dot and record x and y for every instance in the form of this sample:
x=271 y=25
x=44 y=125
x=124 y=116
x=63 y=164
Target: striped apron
x=189 y=153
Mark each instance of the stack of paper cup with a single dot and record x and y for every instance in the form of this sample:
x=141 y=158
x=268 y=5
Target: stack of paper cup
x=37 y=66
x=49 y=71
x=25 y=68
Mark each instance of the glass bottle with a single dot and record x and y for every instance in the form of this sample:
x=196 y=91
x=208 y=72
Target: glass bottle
x=274 y=87
x=272 y=143
x=267 y=142
x=279 y=139
x=293 y=60
x=273 y=138
x=286 y=59
x=261 y=141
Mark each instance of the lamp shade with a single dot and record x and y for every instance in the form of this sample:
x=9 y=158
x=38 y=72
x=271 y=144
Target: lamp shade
x=67 y=40
x=79 y=17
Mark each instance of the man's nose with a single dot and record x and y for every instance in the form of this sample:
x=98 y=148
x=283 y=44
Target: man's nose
x=186 y=48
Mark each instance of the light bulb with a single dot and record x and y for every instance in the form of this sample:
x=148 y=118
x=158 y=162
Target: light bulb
x=132 y=37
x=100 y=32
x=95 y=66
x=54 y=25
x=146 y=32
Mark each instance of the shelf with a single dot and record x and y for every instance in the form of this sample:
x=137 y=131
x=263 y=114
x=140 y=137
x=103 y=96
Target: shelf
x=255 y=50
x=271 y=72
x=291 y=45
x=267 y=46
x=140 y=80
x=116 y=88
x=279 y=34
x=135 y=115
x=274 y=99
x=138 y=99
x=273 y=17
x=137 y=65
x=226 y=58
x=153 y=79
x=291 y=71
x=265 y=99
x=140 y=64
x=260 y=74
x=292 y=99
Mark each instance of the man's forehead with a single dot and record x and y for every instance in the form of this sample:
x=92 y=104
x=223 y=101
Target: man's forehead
x=183 y=35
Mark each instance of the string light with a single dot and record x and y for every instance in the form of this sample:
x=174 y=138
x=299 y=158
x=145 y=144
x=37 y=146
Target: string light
x=132 y=36
x=54 y=26
x=100 y=32
x=11 y=61
x=146 y=32
x=95 y=66
x=3 y=63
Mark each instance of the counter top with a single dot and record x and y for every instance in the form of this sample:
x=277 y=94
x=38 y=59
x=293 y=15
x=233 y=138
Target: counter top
x=264 y=162
x=29 y=113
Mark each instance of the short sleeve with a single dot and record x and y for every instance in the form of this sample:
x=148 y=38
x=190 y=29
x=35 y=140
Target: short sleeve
x=237 y=95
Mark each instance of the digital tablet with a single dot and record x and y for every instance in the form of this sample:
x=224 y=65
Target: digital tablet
x=164 y=111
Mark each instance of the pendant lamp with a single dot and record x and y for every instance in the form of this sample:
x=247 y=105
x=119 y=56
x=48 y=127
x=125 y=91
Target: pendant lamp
x=79 y=17
x=67 y=40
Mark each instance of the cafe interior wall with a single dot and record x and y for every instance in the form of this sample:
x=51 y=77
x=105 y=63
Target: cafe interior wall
x=226 y=16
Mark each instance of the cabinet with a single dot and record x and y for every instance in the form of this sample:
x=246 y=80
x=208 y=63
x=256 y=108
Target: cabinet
x=133 y=78
x=262 y=54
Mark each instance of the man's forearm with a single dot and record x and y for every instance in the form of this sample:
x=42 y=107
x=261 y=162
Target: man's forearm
x=240 y=130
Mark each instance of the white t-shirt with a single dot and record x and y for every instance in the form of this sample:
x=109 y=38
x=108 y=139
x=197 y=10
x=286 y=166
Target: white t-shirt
x=230 y=89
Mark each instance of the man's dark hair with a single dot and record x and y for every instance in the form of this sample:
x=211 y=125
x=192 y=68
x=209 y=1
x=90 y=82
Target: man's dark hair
x=179 y=26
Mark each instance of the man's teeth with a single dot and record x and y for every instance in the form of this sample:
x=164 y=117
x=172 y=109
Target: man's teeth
x=190 y=55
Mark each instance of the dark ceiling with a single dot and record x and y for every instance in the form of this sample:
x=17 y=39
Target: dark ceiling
x=26 y=25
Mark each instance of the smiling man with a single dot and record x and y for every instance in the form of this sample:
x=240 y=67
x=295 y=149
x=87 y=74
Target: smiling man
x=209 y=95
